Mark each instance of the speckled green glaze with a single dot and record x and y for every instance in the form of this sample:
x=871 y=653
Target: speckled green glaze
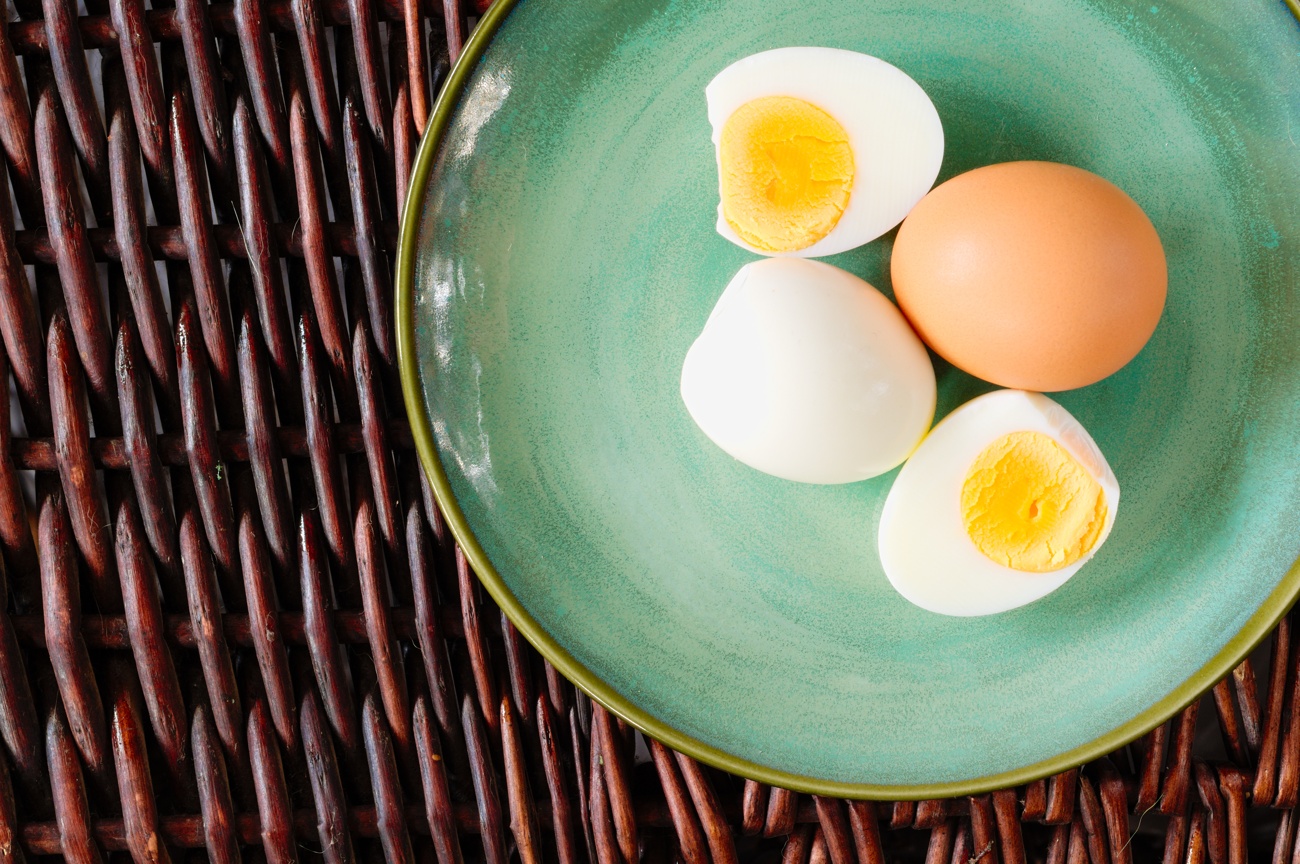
x=565 y=258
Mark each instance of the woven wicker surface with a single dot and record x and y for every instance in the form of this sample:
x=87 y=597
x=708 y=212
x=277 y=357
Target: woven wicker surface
x=234 y=624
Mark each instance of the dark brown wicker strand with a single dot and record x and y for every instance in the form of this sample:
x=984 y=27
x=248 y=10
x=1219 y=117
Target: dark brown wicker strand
x=233 y=624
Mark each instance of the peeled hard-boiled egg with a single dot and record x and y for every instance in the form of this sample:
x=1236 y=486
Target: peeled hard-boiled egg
x=819 y=149
x=1004 y=500
x=808 y=373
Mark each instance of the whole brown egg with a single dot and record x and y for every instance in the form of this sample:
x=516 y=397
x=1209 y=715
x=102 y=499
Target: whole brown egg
x=1031 y=275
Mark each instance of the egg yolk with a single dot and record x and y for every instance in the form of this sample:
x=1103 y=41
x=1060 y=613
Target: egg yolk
x=786 y=172
x=1028 y=504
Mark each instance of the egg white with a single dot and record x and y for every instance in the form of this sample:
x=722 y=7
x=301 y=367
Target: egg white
x=893 y=129
x=924 y=548
x=808 y=373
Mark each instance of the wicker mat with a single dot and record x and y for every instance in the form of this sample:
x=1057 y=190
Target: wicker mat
x=234 y=625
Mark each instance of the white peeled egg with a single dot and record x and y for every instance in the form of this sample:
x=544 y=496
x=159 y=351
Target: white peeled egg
x=924 y=547
x=808 y=373
x=893 y=129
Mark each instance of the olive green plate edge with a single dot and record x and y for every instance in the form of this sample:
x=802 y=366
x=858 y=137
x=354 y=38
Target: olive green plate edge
x=1256 y=628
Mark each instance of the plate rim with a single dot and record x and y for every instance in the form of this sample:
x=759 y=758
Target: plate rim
x=1258 y=626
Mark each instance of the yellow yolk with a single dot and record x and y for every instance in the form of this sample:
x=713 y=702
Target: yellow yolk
x=786 y=173
x=1029 y=505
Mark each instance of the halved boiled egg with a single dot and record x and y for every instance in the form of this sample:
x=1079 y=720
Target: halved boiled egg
x=819 y=150
x=808 y=373
x=1004 y=501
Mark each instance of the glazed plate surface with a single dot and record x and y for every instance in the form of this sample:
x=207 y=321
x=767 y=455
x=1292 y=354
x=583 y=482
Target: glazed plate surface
x=559 y=257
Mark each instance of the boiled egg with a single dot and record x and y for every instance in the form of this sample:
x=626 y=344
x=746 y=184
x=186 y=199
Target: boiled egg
x=819 y=150
x=807 y=372
x=1003 y=501
x=1031 y=275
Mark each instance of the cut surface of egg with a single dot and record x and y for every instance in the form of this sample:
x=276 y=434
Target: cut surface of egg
x=819 y=150
x=806 y=372
x=1004 y=500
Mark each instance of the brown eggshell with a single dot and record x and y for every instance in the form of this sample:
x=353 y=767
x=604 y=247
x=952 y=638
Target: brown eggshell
x=1031 y=275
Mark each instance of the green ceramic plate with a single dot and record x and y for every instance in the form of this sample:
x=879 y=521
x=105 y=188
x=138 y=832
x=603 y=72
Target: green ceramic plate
x=558 y=257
